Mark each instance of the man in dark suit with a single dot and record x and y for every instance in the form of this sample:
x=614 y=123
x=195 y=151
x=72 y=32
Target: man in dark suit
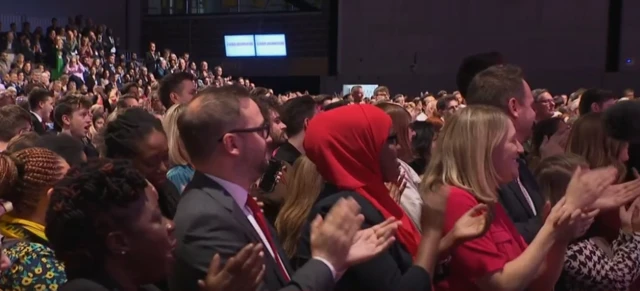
x=227 y=140
x=523 y=202
x=504 y=87
x=41 y=105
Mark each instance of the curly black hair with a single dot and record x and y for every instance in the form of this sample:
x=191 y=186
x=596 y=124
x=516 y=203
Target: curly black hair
x=80 y=213
x=123 y=135
x=122 y=138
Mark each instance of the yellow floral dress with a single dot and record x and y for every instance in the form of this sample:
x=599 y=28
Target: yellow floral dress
x=33 y=264
x=33 y=267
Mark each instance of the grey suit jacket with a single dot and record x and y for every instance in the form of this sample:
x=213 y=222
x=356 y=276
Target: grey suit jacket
x=209 y=221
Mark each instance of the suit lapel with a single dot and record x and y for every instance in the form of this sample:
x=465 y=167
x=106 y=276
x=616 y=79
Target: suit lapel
x=515 y=187
x=529 y=182
x=218 y=193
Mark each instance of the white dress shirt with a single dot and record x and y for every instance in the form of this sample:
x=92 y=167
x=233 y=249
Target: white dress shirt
x=411 y=201
x=240 y=196
x=527 y=197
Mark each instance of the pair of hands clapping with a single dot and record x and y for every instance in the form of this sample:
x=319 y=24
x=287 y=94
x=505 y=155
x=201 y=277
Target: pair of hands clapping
x=339 y=239
x=588 y=192
x=630 y=217
x=336 y=238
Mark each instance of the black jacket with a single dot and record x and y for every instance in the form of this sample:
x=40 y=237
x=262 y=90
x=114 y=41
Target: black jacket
x=516 y=205
x=389 y=271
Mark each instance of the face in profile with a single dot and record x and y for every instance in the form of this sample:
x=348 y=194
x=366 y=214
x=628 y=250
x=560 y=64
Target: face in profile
x=255 y=146
x=623 y=155
x=153 y=157
x=278 y=134
x=148 y=227
x=389 y=166
x=505 y=156
x=47 y=108
x=524 y=115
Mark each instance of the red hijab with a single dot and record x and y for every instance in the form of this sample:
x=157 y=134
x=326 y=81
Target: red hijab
x=345 y=145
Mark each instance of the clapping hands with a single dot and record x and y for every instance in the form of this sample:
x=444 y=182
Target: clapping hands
x=243 y=272
x=473 y=224
x=565 y=222
x=630 y=217
x=338 y=238
x=620 y=194
x=372 y=241
x=332 y=236
x=587 y=186
x=397 y=188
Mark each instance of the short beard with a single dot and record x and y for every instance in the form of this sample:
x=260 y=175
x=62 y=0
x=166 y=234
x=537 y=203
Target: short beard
x=278 y=140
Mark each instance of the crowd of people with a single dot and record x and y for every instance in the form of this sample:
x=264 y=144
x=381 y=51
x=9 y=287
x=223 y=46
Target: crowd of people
x=159 y=174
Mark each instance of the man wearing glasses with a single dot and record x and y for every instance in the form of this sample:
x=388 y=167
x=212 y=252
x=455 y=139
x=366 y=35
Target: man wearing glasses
x=227 y=139
x=543 y=105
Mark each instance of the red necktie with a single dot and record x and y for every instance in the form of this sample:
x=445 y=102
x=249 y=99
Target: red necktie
x=262 y=223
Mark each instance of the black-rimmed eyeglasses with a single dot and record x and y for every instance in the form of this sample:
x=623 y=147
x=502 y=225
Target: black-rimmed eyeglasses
x=263 y=130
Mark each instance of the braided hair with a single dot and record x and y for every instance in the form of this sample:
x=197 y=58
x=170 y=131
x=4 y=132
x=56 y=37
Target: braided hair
x=80 y=213
x=26 y=175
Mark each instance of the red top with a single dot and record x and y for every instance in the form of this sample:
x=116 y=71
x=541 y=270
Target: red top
x=482 y=256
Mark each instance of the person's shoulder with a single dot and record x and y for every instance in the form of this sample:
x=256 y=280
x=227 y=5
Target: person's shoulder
x=461 y=195
x=202 y=198
x=180 y=170
x=371 y=214
x=458 y=203
x=332 y=198
x=26 y=249
x=329 y=197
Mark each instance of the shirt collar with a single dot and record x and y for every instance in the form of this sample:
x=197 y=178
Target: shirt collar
x=238 y=193
x=37 y=116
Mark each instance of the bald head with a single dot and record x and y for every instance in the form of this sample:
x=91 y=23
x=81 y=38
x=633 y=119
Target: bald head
x=212 y=113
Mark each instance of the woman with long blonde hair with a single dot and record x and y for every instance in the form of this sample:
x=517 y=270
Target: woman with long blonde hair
x=302 y=193
x=180 y=171
x=476 y=151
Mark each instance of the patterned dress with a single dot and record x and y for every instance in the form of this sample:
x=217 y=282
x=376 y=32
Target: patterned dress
x=33 y=267
x=33 y=263
x=591 y=267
